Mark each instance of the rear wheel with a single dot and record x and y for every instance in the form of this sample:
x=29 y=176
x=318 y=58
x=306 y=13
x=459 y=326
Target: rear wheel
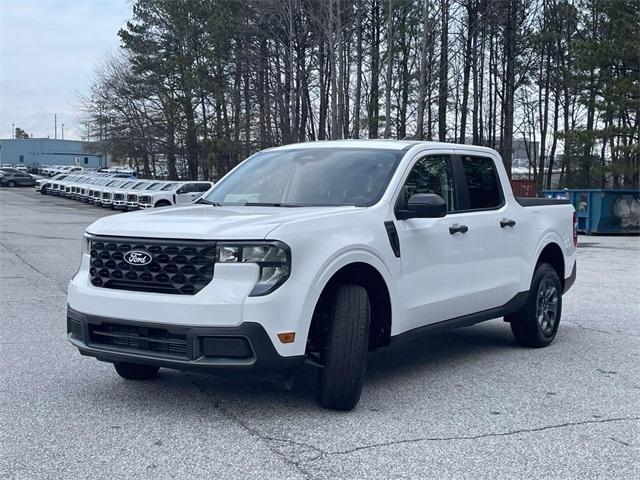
x=134 y=371
x=536 y=324
x=11 y=184
x=342 y=376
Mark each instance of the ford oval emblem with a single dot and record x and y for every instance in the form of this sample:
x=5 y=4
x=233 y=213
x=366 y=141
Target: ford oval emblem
x=137 y=257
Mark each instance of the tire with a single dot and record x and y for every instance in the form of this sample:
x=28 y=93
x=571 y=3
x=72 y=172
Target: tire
x=536 y=324
x=11 y=184
x=134 y=371
x=342 y=377
x=43 y=190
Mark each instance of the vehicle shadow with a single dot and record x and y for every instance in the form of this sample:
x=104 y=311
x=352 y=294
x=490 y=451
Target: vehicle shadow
x=387 y=367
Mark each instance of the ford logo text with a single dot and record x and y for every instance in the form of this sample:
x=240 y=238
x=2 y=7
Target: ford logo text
x=136 y=257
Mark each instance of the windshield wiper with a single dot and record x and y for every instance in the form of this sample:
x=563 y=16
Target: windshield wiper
x=269 y=204
x=207 y=202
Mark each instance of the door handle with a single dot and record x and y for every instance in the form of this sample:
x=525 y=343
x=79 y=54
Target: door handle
x=504 y=223
x=455 y=228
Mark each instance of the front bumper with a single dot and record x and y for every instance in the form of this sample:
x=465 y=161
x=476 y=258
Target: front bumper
x=246 y=347
x=145 y=205
x=224 y=303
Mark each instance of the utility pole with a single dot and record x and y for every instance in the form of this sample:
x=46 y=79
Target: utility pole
x=63 y=131
x=13 y=131
x=55 y=126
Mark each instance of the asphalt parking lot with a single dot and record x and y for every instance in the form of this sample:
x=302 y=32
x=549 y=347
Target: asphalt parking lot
x=466 y=404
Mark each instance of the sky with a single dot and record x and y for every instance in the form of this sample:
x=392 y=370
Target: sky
x=48 y=52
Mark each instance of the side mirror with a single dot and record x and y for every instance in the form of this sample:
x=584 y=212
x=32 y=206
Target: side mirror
x=423 y=205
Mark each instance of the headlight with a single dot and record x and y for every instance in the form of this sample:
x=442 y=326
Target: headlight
x=273 y=258
x=86 y=241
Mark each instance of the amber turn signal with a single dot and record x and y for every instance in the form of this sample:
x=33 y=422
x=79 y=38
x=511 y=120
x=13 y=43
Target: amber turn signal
x=287 y=337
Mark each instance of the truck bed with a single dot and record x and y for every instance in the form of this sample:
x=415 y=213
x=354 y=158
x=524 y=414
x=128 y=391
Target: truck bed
x=538 y=202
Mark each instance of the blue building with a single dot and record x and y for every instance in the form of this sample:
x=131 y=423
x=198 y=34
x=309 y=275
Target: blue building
x=34 y=152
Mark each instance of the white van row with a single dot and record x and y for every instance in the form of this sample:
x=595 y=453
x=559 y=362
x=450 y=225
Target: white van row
x=122 y=191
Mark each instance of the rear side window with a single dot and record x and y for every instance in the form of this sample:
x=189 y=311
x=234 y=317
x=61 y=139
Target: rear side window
x=482 y=182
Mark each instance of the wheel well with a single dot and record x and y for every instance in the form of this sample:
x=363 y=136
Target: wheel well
x=162 y=203
x=368 y=277
x=552 y=254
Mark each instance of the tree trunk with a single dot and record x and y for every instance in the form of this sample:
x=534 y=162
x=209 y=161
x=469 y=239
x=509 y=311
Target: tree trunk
x=443 y=83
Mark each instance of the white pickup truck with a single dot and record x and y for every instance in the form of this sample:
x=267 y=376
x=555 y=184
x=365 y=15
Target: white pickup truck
x=320 y=252
x=173 y=193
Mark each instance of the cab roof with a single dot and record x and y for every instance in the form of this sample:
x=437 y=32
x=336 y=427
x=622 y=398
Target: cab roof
x=386 y=144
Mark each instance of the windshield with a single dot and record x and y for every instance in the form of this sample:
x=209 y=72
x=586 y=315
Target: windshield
x=309 y=177
x=140 y=186
x=169 y=186
x=155 y=186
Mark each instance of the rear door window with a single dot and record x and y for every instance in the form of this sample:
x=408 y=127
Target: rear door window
x=482 y=182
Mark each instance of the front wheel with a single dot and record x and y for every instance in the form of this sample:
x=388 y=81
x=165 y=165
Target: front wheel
x=342 y=376
x=11 y=184
x=536 y=324
x=134 y=371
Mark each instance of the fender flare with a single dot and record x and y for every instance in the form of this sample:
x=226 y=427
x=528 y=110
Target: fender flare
x=548 y=238
x=341 y=259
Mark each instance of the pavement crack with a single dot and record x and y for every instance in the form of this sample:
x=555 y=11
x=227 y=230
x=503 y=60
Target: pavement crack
x=620 y=441
x=35 y=269
x=597 y=330
x=32 y=235
x=483 y=435
x=267 y=439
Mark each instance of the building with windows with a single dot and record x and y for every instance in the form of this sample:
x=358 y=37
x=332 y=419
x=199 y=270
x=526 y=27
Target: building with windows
x=35 y=152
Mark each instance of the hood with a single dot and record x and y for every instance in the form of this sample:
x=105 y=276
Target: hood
x=206 y=222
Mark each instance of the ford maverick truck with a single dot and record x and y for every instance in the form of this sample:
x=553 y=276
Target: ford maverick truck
x=319 y=253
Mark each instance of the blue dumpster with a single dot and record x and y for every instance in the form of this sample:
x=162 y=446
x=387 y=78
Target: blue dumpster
x=603 y=210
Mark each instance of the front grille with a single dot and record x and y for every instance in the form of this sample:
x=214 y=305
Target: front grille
x=118 y=196
x=106 y=195
x=179 y=267
x=153 y=340
x=144 y=199
x=132 y=198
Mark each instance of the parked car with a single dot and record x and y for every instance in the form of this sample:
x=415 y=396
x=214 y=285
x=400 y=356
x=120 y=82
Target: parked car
x=84 y=190
x=121 y=194
x=103 y=186
x=321 y=252
x=109 y=189
x=11 y=177
x=133 y=197
x=44 y=184
x=175 y=193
